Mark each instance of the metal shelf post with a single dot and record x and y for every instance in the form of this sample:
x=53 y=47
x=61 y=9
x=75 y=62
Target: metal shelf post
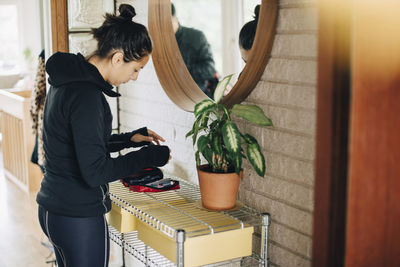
x=266 y=221
x=180 y=240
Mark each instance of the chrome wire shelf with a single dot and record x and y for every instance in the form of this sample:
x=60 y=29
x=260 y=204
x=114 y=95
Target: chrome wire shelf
x=181 y=209
x=179 y=215
x=135 y=247
x=149 y=257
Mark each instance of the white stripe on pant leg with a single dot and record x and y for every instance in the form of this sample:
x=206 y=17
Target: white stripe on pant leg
x=51 y=241
x=105 y=238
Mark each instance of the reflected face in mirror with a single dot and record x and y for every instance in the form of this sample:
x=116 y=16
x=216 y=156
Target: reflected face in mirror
x=247 y=35
x=245 y=54
x=207 y=33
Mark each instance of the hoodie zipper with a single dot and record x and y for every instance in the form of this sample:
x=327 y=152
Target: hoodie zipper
x=104 y=196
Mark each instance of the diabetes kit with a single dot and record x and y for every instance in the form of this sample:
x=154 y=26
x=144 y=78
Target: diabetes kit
x=150 y=180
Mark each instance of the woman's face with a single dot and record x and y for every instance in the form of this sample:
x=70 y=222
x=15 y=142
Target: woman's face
x=245 y=54
x=123 y=72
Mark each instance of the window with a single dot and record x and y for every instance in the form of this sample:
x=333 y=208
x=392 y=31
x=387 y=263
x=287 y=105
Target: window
x=9 y=49
x=248 y=9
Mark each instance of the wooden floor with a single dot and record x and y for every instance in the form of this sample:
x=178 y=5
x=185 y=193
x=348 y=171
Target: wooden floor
x=20 y=232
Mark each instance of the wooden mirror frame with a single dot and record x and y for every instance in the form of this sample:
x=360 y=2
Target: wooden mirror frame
x=171 y=69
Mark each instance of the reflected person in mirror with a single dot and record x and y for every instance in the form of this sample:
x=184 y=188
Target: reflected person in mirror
x=197 y=55
x=74 y=194
x=246 y=40
x=247 y=34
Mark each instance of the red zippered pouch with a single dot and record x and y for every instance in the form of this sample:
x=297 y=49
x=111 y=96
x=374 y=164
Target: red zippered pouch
x=150 y=180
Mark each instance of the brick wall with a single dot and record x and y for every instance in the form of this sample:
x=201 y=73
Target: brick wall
x=286 y=92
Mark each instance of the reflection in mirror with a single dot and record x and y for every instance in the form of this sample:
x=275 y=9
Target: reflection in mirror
x=170 y=67
x=196 y=53
x=207 y=33
x=247 y=35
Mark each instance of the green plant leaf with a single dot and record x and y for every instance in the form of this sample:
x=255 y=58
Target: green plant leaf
x=195 y=129
x=225 y=110
x=251 y=113
x=216 y=144
x=256 y=158
x=221 y=87
x=202 y=143
x=249 y=139
x=237 y=162
x=207 y=154
x=195 y=135
x=213 y=125
x=204 y=148
x=189 y=133
x=205 y=116
x=197 y=156
x=203 y=106
x=204 y=121
x=231 y=137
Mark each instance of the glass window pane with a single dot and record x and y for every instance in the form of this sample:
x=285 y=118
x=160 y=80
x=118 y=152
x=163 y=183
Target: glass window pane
x=9 y=49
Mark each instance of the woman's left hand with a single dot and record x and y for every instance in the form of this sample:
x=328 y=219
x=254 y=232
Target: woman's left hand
x=153 y=138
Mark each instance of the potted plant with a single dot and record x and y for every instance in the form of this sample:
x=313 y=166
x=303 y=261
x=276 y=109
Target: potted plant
x=223 y=146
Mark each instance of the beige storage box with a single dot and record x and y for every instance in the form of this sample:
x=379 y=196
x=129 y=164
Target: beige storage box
x=200 y=250
x=121 y=219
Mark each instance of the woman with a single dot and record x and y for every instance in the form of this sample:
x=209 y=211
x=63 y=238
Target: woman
x=247 y=34
x=77 y=140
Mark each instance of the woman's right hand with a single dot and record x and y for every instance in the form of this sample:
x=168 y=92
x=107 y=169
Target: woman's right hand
x=152 y=138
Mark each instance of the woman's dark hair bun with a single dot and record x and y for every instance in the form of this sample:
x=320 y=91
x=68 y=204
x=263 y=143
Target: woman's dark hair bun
x=248 y=31
x=127 y=11
x=121 y=33
x=256 y=12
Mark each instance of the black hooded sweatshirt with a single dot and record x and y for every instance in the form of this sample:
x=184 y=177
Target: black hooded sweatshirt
x=77 y=141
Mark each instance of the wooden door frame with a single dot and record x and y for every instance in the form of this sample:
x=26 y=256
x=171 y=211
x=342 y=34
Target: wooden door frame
x=357 y=185
x=332 y=135
x=59 y=25
x=373 y=232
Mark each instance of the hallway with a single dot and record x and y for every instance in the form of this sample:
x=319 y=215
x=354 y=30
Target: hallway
x=21 y=236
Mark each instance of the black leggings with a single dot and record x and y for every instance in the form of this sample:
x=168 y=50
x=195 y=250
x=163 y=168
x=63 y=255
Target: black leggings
x=77 y=242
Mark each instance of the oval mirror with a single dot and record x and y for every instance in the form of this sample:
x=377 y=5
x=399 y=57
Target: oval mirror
x=182 y=87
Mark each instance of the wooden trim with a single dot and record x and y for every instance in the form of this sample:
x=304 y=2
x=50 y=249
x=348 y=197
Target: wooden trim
x=331 y=163
x=175 y=87
x=171 y=69
x=373 y=237
x=59 y=25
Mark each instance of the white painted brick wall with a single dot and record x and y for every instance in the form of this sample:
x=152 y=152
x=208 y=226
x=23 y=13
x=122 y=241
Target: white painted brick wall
x=302 y=46
x=291 y=71
x=296 y=20
x=287 y=93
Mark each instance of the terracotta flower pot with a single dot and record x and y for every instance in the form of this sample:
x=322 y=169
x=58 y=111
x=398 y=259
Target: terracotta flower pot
x=218 y=190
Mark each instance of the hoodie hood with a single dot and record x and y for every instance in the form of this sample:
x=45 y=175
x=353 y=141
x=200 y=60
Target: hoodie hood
x=65 y=68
